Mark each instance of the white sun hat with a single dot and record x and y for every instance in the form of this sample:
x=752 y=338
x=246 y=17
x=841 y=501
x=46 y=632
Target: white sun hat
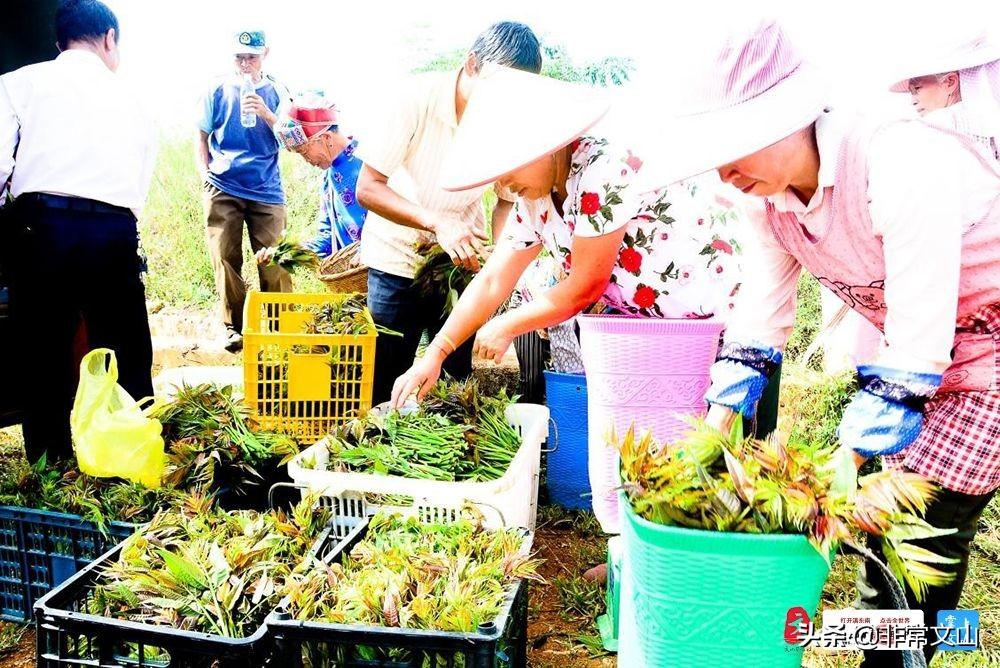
x=514 y=118
x=960 y=52
x=752 y=90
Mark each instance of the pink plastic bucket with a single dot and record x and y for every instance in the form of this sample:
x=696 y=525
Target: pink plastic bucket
x=648 y=371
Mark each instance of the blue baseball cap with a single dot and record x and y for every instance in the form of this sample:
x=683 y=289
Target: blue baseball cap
x=250 y=41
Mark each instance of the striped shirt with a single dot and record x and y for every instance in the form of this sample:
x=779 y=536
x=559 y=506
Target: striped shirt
x=410 y=150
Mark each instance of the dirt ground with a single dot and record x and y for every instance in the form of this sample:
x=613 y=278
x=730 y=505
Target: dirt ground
x=22 y=655
x=557 y=633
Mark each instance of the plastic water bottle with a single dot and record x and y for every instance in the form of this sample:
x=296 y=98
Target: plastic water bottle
x=248 y=118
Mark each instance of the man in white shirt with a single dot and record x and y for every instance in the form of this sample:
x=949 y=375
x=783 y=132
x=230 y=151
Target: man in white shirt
x=77 y=153
x=409 y=152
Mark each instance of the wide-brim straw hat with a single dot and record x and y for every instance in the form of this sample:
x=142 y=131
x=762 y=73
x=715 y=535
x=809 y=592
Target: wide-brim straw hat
x=962 y=53
x=750 y=92
x=514 y=118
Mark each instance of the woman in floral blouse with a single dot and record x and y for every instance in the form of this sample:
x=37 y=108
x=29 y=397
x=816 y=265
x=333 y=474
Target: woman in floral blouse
x=676 y=257
x=668 y=254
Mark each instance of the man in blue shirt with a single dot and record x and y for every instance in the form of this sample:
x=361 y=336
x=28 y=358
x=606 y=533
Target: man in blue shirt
x=312 y=130
x=239 y=166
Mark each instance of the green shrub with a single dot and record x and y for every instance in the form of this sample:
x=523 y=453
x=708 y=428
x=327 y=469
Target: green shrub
x=808 y=320
x=812 y=403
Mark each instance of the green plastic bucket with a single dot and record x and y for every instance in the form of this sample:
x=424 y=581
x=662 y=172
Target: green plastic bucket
x=704 y=598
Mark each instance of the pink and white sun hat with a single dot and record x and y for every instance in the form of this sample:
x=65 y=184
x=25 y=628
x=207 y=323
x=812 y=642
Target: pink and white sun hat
x=958 y=52
x=752 y=90
x=974 y=52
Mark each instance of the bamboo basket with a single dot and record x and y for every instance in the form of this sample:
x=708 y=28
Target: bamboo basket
x=342 y=272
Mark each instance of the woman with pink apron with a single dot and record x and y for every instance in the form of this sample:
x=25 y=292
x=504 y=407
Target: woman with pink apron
x=901 y=220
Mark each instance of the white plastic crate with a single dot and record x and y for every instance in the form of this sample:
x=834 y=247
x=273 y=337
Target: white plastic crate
x=349 y=508
x=510 y=501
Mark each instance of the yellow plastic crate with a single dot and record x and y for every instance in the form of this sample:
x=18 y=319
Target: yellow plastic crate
x=298 y=383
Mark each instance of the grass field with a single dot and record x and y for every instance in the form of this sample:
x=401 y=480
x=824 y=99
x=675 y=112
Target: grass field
x=173 y=226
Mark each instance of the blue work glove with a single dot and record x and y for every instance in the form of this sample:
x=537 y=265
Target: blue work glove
x=740 y=375
x=886 y=414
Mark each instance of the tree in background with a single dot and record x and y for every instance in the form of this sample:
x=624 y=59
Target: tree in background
x=608 y=71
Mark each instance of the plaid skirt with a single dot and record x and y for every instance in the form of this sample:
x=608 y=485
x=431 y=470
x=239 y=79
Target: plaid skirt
x=959 y=445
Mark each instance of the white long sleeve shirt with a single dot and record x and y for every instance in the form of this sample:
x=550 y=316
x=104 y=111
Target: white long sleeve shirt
x=70 y=126
x=924 y=190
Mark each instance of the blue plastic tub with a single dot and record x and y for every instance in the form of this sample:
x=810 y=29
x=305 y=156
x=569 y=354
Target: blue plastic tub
x=568 y=481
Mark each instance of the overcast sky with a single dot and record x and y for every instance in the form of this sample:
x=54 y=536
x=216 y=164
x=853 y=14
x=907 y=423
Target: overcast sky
x=356 y=50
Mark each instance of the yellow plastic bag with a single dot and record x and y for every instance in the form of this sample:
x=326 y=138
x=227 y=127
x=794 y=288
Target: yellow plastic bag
x=112 y=433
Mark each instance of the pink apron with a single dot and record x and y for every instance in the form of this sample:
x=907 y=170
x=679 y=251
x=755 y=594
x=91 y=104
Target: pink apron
x=848 y=259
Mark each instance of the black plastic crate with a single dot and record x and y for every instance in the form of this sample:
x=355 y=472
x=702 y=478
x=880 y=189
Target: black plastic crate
x=40 y=549
x=498 y=644
x=253 y=496
x=68 y=636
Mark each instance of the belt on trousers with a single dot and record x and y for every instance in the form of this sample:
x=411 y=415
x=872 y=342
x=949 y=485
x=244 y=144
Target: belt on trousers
x=73 y=204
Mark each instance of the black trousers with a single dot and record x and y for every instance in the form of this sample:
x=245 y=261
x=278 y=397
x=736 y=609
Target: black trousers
x=532 y=356
x=765 y=420
x=66 y=265
x=950 y=510
x=394 y=303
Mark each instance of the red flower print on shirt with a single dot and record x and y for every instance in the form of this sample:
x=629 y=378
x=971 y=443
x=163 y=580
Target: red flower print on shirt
x=645 y=296
x=545 y=217
x=701 y=221
x=631 y=260
x=721 y=245
x=590 y=203
x=633 y=162
x=664 y=236
x=719 y=272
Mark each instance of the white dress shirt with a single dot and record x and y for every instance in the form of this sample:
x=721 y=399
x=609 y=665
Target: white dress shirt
x=70 y=126
x=924 y=191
